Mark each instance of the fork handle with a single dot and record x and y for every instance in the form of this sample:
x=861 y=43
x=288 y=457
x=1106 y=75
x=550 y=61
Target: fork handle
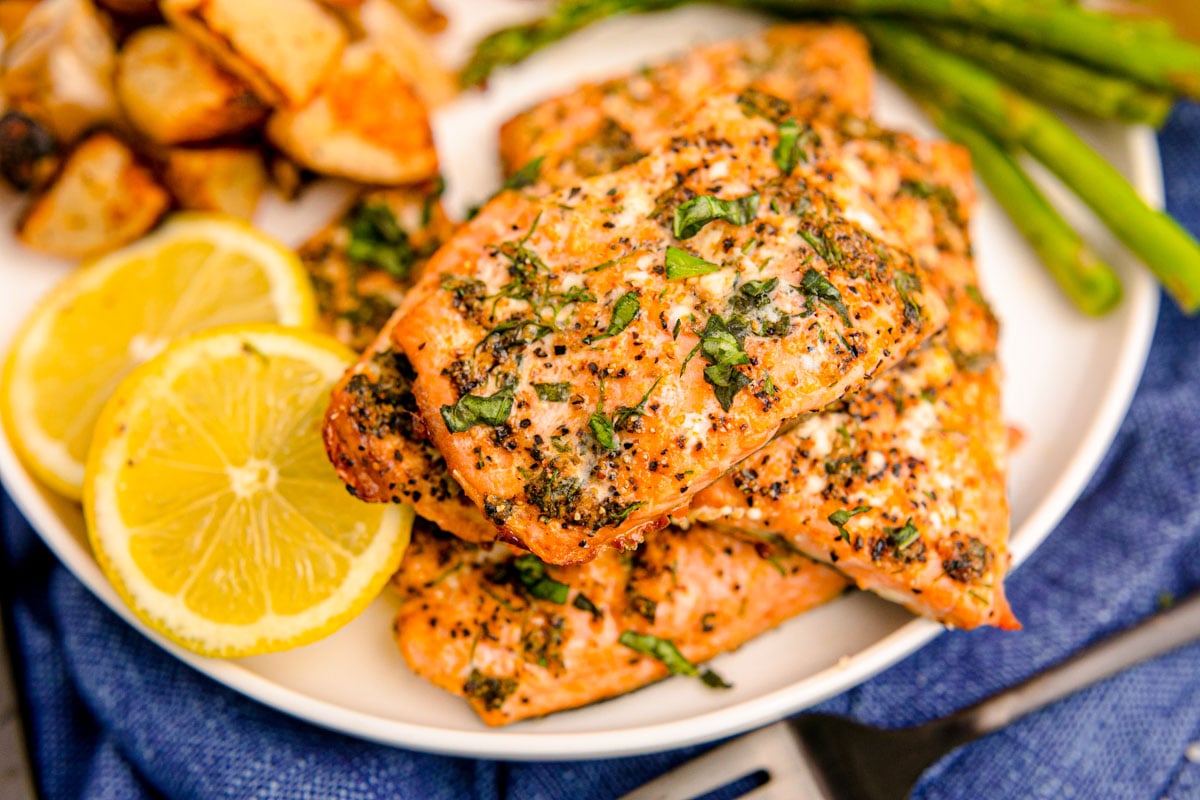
x=1157 y=635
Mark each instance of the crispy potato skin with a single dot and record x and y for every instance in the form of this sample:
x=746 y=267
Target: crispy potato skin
x=103 y=198
x=285 y=49
x=226 y=179
x=366 y=123
x=601 y=240
x=825 y=71
x=173 y=92
x=469 y=628
x=924 y=445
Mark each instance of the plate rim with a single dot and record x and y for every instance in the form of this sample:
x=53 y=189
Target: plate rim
x=1142 y=295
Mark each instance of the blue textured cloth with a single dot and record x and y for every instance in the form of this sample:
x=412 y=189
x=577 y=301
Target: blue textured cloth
x=112 y=716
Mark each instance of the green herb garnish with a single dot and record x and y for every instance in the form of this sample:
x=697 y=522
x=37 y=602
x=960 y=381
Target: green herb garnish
x=472 y=410
x=662 y=649
x=682 y=264
x=714 y=681
x=840 y=517
x=694 y=214
x=602 y=429
x=376 y=239
x=525 y=176
x=826 y=249
x=624 y=416
x=722 y=349
x=907 y=284
x=553 y=392
x=816 y=287
x=583 y=604
x=903 y=536
x=790 y=150
x=624 y=311
x=531 y=573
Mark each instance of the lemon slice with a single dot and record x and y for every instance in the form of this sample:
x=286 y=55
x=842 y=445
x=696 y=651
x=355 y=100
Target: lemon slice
x=196 y=272
x=211 y=505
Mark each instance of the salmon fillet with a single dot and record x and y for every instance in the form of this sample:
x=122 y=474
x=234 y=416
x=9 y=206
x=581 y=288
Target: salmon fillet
x=486 y=625
x=362 y=263
x=902 y=485
x=599 y=127
x=581 y=386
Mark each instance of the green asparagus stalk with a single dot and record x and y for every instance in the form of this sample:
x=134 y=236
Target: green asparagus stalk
x=1089 y=282
x=959 y=86
x=1127 y=46
x=514 y=44
x=1055 y=80
x=1139 y=49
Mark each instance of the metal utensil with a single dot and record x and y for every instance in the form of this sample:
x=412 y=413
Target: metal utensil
x=832 y=758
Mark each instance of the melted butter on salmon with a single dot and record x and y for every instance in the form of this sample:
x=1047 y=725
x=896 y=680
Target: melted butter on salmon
x=485 y=624
x=581 y=386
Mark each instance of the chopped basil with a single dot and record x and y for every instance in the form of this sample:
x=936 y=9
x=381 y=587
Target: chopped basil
x=714 y=681
x=376 y=239
x=722 y=349
x=624 y=417
x=840 y=517
x=758 y=290
x=903 y=536
x=602 y=429
x=525 y=176
x=624 y=311
x=694 y=214
x=553 y=392
x=815 y=286
x=682 y=264
x=790 y=150
x=531 y=572
x=583 y=604
x=906 y=284
x=757 y=103
x=472 y=410
x=662 y=649
x=826 y=249
x=490 y=691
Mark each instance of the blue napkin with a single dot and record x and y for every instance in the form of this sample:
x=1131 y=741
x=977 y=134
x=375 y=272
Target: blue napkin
x=112 y=716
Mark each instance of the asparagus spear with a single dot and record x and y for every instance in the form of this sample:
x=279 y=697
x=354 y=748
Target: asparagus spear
x=959 y=86
x=1139 y=49
x=1056 y=80
x=1089 y=282
x=514 y=44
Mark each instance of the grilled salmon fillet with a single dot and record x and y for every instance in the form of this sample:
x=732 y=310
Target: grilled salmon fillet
x=902 y=485
x=521 y=639
x=599 y=127
x=362 y=263
x=587 y=360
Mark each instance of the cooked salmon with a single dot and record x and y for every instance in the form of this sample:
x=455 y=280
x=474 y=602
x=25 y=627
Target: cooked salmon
x=823 y=70
x=902 y=485
x=519 y=638
x=587 y=360
x=362 y=263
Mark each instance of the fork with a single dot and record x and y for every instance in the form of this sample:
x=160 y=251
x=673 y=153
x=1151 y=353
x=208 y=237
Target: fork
x=825 y=757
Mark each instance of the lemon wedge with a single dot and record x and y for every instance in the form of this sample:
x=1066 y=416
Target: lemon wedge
x=210 y=503
x=196 y=272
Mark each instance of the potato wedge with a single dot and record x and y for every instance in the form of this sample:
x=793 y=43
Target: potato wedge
x=103 y=198
x=58 y=68
x=226 y=179
x=172 y=91
x=408 y=49
x=12 y=15
x=367 y=123
x=283 y=48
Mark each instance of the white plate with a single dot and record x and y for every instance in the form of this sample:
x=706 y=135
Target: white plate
x=1069 y=381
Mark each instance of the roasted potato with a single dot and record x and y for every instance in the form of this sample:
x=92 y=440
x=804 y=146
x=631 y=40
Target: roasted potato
x=12 y=15
x=367 y=123
x=131 y=8
x=227 y=179
x=103 y=198
x=283 y=48
x=408 y=50
x=172 y=90
x=59 y=68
